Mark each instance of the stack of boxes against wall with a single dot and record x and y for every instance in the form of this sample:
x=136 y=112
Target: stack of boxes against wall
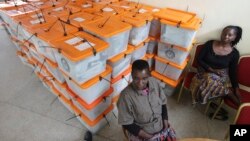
x=82 y=50
x=177 y=33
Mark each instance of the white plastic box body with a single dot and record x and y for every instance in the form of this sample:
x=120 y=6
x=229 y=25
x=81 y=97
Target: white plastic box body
x=117 y=43
x=172 y=54
x=90 y=94
x=55 y=72
x=167 y=70
x=177 y=36
x=83 y=70
x=152 y=47
x=120 y=66
x=93 y=113
x=35 y=54
x=139 y=52
x=61 y=90
x=139 y=34
x=42 y=46
x=121 y=84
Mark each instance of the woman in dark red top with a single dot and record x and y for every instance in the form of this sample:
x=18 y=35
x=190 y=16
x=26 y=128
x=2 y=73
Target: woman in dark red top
x=216 y=75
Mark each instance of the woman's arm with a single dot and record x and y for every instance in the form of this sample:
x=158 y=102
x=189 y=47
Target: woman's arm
x=233 y=69
x=202 y=54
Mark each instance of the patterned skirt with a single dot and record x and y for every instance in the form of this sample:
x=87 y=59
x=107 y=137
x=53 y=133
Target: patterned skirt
x=207 y=85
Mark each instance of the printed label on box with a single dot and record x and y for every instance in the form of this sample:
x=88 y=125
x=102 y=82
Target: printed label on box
x=142 y=11
x=37 y=21
x=58 y=9
x=126 y=7
x=86 y=5
x=73 y=41
x=107 y=9
x=84 y=46
x=79 y=19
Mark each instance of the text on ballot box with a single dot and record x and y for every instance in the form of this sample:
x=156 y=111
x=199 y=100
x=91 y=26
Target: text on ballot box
x=239 y=132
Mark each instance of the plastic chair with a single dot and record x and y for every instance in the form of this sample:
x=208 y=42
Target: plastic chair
x=189 y=76
x=242 y=116
x=243 y=79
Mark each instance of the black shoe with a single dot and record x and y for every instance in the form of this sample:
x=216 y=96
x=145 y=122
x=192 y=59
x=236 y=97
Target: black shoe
x=88 y=136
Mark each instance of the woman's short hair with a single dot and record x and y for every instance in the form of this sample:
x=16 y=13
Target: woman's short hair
x=238 y=33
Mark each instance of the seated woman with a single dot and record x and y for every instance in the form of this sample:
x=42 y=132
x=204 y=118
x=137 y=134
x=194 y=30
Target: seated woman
x=216 y=75
x=142 y=109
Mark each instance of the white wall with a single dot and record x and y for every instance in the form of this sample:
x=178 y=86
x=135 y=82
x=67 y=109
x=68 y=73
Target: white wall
x=218 y=14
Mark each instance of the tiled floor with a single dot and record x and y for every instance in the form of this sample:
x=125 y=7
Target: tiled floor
x=26 y=112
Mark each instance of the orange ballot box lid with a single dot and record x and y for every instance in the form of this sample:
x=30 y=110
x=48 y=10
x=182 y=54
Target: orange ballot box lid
x=79 y=46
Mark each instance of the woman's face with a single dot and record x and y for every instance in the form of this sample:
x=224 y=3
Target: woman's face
x=228 y=35
x=140 y=79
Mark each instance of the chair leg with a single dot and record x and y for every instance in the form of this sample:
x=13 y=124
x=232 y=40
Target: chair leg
x=218 y=109
x=207 y=107
x=180 y=93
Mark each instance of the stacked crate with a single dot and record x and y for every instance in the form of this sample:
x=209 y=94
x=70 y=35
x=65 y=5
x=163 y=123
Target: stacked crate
x=83 y=50
x=178 y=30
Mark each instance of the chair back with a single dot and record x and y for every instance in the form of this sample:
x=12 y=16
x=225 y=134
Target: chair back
x=243 y=114
x=196 y=54
x=244 y=70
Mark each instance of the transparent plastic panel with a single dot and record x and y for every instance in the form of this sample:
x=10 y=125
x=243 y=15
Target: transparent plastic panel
x=152 y=47
x=96 y=111
x=117 y=44
x=139 y=53
x=139 y=34
x=82 y=70
x=167 y=70
x=93 y=92
x=177 y=36
x=171 y=54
